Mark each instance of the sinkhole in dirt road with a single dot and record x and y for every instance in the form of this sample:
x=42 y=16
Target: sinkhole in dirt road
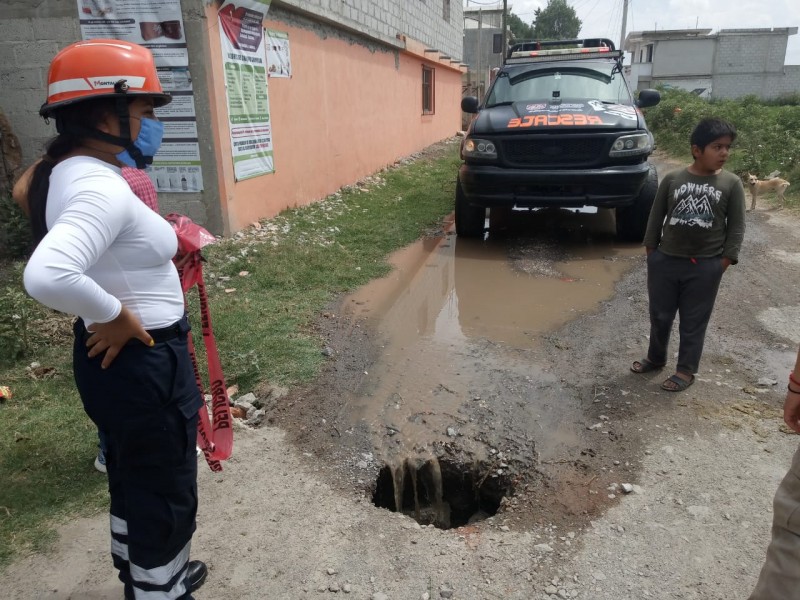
x=441 y=492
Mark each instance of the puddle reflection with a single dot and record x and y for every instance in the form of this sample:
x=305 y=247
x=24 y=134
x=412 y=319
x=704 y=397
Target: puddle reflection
x=452 y=290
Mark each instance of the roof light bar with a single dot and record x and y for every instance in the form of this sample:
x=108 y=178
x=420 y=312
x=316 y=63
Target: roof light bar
x=546 y=56
x=560 y=51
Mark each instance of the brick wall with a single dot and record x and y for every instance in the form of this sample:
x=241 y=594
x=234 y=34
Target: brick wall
x=744 y=53
x=750 y=62
x=489 y=58
x=766 y=86
x=422 y=20
x=27 y=44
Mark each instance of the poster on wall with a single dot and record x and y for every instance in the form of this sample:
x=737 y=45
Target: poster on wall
x=157 y=25
x=278 y=59
x=245 y=63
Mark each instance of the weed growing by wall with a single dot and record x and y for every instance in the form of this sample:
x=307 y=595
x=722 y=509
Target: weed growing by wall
x=15 y=232
x=15 y=313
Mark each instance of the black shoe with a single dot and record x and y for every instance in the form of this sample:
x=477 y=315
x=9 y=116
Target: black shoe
x=196 y=574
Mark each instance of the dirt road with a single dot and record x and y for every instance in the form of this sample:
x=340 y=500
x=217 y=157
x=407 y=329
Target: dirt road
x=503 y=367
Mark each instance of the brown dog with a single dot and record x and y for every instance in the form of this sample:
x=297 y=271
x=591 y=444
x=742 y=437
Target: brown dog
x=757 y=186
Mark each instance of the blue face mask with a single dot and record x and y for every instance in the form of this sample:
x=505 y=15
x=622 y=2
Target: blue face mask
x=148 y=142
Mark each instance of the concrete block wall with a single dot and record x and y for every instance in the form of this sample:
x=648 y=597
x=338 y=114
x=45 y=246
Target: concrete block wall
x=476 y=83
x=750 y=53
x=789 y=83
x=384 y=20
x=489 y=58
x=29 y=38
x=766 y=86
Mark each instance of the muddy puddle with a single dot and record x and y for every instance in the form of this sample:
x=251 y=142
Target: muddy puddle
x=459 y=322
x=508 y=291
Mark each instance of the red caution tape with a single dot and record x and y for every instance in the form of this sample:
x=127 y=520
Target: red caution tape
x=214 y=434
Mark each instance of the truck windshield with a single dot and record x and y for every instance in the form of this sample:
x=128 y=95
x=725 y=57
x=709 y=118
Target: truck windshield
x=546 y=84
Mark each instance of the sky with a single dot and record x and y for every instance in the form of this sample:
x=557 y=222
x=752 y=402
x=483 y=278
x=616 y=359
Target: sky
x=603 y=18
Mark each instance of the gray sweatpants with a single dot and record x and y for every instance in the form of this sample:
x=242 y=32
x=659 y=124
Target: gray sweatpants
x=780 y=575
x=686 y=287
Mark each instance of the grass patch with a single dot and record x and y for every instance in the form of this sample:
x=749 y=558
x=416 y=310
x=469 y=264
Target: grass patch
x=287 y=271
x=266 y=287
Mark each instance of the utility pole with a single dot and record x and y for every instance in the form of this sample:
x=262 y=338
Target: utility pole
x=480 y=53
x=624 y=24
x=505 y=33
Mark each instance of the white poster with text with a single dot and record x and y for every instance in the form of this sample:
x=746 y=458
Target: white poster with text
x=245 y=64
x=278 y=60
x=158 y=26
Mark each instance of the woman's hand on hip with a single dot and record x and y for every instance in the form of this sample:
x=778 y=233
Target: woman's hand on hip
x=112 y=336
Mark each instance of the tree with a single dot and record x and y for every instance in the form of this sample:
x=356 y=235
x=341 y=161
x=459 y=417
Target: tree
x=520 y=30
x=557 y=21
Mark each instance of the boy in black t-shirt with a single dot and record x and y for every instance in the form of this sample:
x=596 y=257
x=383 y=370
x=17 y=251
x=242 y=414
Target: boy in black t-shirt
x=694 y=233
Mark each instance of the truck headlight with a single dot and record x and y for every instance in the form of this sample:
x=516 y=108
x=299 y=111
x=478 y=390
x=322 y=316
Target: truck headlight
x=631 y=145
x=477 y=148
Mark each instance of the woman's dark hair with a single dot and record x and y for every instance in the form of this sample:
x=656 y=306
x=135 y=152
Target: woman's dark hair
x=85 y=115
x=710 y=129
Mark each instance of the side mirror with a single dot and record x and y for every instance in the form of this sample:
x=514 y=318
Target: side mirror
x=648 y=98
x=469 y=104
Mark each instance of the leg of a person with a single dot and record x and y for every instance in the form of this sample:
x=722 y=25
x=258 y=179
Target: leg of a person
x=701 y=284
x=780 y=576
x=160 y=513
x=100 y=412
x=662 y=289
x=144 y=405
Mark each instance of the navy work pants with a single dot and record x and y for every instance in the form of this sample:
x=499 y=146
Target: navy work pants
x=146 y=404
x=780 y=577
x=686 y=287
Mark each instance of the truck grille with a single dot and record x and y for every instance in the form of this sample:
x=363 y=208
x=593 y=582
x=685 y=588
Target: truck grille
x=554 y=152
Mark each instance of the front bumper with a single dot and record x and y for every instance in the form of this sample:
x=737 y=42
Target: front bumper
x=606 y=187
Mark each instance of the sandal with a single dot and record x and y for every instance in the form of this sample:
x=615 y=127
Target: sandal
x=678 y=383
x=645 y=366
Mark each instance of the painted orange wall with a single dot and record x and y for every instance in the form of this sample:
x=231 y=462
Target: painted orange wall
x=346 y=112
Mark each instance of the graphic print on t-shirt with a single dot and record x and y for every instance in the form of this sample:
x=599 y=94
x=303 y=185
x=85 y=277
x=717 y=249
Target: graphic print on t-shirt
x=693 y=205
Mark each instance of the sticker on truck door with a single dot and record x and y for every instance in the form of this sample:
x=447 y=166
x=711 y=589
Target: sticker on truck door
x=619 y=110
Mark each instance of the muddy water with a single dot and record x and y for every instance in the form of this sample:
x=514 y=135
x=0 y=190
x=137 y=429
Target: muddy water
x=451 y=290
x=454 y=315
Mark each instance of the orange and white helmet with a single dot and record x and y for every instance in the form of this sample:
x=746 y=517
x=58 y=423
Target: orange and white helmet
x=102 y=68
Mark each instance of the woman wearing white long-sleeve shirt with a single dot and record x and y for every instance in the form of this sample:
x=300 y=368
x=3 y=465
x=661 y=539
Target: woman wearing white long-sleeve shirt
x=105 y=257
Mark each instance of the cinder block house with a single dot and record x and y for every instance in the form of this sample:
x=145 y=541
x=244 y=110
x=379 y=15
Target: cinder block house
x=370 y=81
x=483 y=45
x=728 y=64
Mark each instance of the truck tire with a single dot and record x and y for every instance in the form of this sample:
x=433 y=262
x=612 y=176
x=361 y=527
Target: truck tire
x=632 y=220
x=470 y=220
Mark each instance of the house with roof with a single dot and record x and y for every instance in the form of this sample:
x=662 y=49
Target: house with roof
x=728 y=64
x=483 y=45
